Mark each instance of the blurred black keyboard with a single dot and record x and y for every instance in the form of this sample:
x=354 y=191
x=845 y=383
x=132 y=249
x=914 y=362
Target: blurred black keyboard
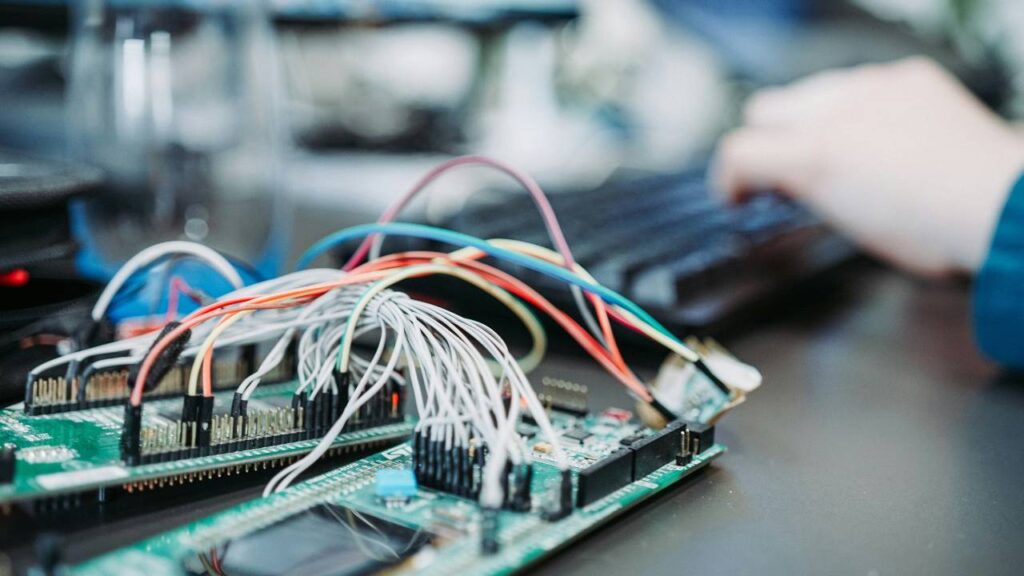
x=669 y=245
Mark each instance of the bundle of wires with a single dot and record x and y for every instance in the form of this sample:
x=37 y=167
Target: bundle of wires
x=467 y=386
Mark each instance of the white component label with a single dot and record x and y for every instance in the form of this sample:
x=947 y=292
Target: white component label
x=59 y=480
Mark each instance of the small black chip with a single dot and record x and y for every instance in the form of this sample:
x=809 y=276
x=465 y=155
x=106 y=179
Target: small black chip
x=577 y=435
x=633 y=438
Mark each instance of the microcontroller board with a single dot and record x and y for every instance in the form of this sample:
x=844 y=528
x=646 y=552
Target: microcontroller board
x=76 y=452
x=352 y=520
x=492 y=473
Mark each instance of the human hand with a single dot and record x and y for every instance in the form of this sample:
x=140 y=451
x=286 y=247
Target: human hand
x=900 y=157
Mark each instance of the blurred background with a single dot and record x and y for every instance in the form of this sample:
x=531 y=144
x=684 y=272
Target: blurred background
x=257 y=127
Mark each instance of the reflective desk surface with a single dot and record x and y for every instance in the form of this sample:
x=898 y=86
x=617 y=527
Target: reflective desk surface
x=880 y=443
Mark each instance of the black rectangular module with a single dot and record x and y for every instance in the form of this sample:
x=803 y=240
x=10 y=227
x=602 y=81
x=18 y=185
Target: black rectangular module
x=577 y=435
x=325 y=539
x=604 y=477
x=658 y=449
x=634 y=437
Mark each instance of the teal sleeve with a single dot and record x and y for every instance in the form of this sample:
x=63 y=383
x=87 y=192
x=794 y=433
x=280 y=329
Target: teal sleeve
x=999 y=287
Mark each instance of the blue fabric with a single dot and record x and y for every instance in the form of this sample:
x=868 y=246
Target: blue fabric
x=999 y=287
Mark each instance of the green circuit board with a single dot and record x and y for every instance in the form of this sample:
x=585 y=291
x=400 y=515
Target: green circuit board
x=338 y=524
x=74 y=452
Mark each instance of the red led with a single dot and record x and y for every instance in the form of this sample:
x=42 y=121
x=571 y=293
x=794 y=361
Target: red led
x=14 y=278
x=617 y=414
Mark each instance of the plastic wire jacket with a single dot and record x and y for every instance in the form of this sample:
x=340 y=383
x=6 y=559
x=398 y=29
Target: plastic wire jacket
x=247 y=303
x=530 y=321
x=219 y=308
x=527 y=182
x=459 y=239
x=601 y=331
x=494 y=291
x=523 y=291
x=167 y=360
x=156 y=252
x=553 y=256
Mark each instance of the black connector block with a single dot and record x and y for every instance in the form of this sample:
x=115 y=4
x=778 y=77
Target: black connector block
x=309 y=418
x=319 y=415
x=605 y=476
x=489 y=531
x=702 y=437
x=249 y=358
x=205 y=422
x=167 y=359
x=561 y=507
x=131 y=447
x=449 y=468
x=8 y=463
x=190 y=406
x=93 y=333
x=658 y=449
x=419 y=442
x=506 y=493
x=236 y=404
x=298 y=401
x=342 y=380
x=519 y=499
x=465 y=463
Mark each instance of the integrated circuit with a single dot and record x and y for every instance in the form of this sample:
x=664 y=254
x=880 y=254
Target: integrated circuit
x=563 y=395
x=577 y=436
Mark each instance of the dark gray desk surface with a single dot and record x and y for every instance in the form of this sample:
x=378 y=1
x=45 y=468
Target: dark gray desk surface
x=881 y=443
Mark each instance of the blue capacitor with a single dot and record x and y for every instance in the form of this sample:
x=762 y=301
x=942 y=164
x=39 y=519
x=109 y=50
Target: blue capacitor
x=393 y=483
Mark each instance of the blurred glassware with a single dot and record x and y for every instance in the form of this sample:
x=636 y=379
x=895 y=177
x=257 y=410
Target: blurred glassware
x=177 y=102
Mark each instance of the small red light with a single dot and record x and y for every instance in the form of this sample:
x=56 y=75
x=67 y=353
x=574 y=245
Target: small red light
x=617 y=414
x=14 y=278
